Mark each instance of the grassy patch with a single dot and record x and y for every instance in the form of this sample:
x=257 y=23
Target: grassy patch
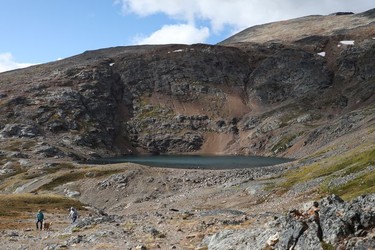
x=16 y=205
x=17 y=170
x=327 y=246
x=363 y=184
x=76 y=229
x=352 y=162
x=129 y=225
x=77 y=175
x=19 y=145
x=37 y=173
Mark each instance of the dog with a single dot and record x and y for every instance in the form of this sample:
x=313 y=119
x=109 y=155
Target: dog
x=297 y=214
x=47 y=225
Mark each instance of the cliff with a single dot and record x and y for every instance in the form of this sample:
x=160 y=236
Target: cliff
x=265 y=91
x=301 y=88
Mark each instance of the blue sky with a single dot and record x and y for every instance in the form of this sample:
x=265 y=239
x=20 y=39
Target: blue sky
x=39 y=31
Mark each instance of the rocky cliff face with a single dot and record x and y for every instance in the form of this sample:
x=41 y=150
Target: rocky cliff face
x=269 y=95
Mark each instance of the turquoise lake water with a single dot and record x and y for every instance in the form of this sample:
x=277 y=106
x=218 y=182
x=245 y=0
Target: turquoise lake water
x=198 y=161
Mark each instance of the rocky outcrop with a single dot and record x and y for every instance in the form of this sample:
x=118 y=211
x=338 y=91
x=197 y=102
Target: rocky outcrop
x=19 y=130
x=260 y=96
x=287 y=74
x=333 y=223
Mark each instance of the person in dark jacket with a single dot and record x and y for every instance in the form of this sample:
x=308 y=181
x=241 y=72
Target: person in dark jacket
x=39 y=219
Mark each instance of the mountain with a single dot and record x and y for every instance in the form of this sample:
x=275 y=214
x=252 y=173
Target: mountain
x=264 y=91
x=302 y=89
x=339 y=25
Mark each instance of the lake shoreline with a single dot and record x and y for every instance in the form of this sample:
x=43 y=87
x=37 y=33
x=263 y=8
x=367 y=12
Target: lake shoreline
x=206 y=162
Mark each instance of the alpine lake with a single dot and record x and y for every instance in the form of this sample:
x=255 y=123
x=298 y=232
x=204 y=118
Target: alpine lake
x=196 y=161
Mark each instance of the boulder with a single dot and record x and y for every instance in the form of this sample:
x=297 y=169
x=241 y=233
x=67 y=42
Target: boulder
x=19 y=130
x=333 y=223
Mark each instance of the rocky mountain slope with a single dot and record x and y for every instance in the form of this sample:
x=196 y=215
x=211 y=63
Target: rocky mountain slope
x=269 y=98
x=302 y=88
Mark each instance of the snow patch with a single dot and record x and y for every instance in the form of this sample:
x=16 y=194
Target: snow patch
x=176 y=51
x=347 y=42
x=323 y=54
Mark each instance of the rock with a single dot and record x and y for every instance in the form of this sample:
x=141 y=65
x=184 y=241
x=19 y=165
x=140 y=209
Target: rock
x=19 y=130
x=24 y=163
x=14 y=234
x=9 y=165
x=273 y=240
x=151 y=230
x=359 y=243
x=304 y=118
x=337 y=224
x=288 y=74
x=8 y=168
x=76 y=240
x=163 y=143
x=52 y=247
x=73 y=194
x=84 y=222
x=48 y=151
x=176 y=99
x=18 y=155
x=141 y=247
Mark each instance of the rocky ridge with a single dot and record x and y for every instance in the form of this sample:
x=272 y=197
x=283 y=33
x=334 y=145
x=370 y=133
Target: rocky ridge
x=307 y=94
x=268 y=98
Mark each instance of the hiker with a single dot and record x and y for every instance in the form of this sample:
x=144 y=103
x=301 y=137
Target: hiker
x=39 y=219
x=73 y=214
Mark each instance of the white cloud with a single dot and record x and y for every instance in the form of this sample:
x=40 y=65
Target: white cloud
x=7 y=62
x=240 y=14
x=177 y=9
x=181 y=33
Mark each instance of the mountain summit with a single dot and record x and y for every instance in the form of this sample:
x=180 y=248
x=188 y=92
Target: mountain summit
x=340 y=25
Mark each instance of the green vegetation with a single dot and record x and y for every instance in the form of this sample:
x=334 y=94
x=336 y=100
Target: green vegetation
x=75 y=176
x=76 y=229
x=154 y=112
x=18 y=144
x=129 y=225
x=327 y=246
x=362 y=184
x=50 y=170
x=320 y=152
x=19 y=204
x=335 y=167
